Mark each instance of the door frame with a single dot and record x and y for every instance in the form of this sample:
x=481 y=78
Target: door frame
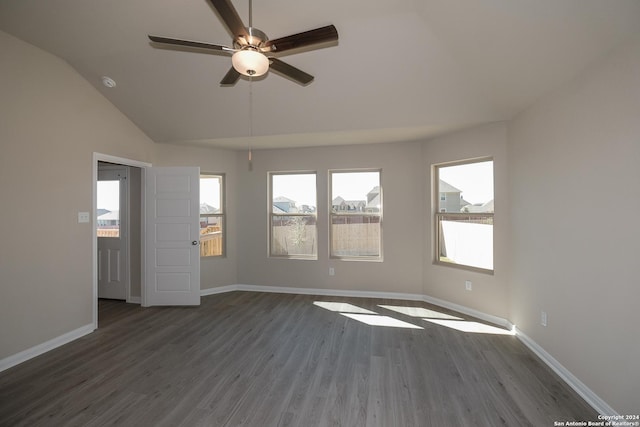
x=99 y=157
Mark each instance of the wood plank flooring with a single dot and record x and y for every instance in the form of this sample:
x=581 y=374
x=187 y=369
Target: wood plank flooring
x=261 y=359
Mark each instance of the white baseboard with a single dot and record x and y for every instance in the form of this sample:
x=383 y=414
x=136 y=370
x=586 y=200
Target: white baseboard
x=220 y=290
x=585 y=392
x=469 y=312
x=330 y=292
x=362 y=294
x=311 y=291
x=37 y=350
x=135 y=300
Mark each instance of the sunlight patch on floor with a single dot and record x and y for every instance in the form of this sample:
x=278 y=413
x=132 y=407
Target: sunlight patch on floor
x=342 y=307
x=419 y=312
x=467 y=326
x=378 y=320
x=372 y=318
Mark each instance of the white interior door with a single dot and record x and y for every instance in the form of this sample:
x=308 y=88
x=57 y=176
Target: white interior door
x=112 y=229
x=172 y=212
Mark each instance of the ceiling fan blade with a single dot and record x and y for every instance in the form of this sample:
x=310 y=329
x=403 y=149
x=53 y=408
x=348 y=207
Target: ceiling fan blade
x=189 y=43
x=230 y=17
x=290 y=71
x=230 y=78
x=307 y=38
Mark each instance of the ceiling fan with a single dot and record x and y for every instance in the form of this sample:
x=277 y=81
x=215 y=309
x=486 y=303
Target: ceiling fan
x=252 y=48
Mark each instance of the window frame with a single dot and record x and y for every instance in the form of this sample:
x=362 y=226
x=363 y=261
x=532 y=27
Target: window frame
x=438 y=215
x=222 y=215
x=366 y=258
x=271 y=214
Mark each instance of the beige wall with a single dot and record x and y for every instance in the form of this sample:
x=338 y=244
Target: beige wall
x=214 y=271
x=51 y=121
x=490 y=292
x=401 y=270
x=573 y=157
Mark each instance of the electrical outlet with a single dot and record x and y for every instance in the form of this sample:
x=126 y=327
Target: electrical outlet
x=332 y=271
x=468 y=285
x=83 y=217
x=543 y=318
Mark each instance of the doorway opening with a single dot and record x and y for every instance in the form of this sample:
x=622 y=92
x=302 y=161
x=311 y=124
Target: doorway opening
x=118 y=224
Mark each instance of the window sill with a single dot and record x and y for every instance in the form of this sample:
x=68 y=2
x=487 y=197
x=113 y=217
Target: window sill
x=464 y=267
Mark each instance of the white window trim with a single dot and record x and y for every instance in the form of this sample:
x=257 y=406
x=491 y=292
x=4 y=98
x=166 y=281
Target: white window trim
x=223 y=214
x=271 y=215
x=370 y=258
x=437 y=216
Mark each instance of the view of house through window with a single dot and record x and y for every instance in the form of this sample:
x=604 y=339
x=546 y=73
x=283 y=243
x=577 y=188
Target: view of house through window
x=293 y=205
x=211 y=215
x=464 y=214
x=108 y=208
x=356 y=215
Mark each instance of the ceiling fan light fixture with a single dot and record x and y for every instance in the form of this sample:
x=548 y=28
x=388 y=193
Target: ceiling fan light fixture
x=250 y=63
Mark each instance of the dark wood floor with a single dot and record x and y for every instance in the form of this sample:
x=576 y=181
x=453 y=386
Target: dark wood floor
x=260 y=359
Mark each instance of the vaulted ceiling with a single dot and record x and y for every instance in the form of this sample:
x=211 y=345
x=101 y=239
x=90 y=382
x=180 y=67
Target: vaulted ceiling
x=402 y=70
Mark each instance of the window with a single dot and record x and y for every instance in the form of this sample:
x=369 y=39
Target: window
x=111 y=199
x=212 y=215
x=355 y=230
x=292 y=215
x=108 y=211
x=464 y=216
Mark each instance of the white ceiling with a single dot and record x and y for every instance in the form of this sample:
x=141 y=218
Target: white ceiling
x=402 y=70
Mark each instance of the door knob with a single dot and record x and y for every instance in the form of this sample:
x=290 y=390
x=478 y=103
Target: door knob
x=194 y=243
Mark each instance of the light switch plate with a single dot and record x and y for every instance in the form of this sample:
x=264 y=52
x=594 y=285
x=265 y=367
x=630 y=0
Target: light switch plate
x=83 y=217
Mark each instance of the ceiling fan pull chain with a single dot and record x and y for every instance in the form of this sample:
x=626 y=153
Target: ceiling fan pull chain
x=250 y=106
x=250 y=123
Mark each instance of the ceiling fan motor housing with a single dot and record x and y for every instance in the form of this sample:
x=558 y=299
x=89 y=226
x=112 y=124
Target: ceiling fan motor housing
x=255 y=39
